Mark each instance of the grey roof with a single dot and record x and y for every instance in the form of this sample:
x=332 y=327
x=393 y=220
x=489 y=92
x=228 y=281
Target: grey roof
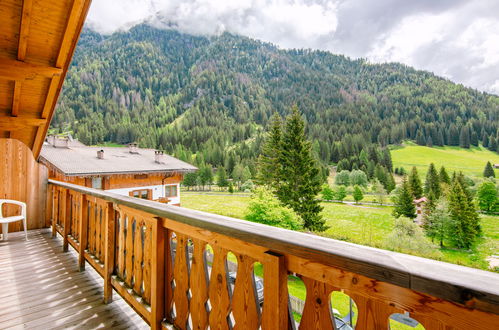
x=82 y=160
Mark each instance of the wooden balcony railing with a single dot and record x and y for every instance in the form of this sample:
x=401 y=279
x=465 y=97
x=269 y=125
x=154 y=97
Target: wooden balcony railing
x=154 y=256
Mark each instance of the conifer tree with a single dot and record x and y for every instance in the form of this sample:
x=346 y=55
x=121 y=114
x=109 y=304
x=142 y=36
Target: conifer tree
x=222 y=181
x=429 y=142
x=485 y=140
x=268 y=161
x=492 y=146
x=443 y=176
x=464 y=137
x=404 y=203
x=420 y=139
x=415 y=185
x=465 y=223
x=474 y=138
x=488 y=172
x=432 y=182
x=453 y=138
x=299 y=180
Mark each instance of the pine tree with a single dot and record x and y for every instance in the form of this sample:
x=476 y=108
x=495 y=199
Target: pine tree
x=415 y=185
x=443 y=176
x=404 y=203
x=432 y=182
x=488 y=172
x=222 y=181
x=465 y=222
x=474 y=139
x=429 y=142
x=453 y=138
x=485 y=140
x=268 y=161
x=299 y=180
x=492 y=144
x=464 y=137
x=420 y=139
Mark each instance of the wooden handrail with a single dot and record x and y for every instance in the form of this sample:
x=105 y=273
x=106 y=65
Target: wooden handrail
x=379 y=280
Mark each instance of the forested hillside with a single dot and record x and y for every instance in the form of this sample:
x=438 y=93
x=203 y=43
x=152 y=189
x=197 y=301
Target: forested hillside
x=213 y=96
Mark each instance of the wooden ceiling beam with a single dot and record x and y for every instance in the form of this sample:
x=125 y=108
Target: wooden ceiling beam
x=19 y=70
x=21 y=50
x=69 y=33
x=16 y=99
x=15 y=123
x=24 y=29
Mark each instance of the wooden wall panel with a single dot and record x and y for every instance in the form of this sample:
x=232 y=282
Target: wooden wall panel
x=25 y=180
x=127 y=181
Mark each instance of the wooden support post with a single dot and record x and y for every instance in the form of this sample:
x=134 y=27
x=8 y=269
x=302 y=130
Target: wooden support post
x=67 y=219
x=83 y=230
x=55 y=210
x=158 y=274
x=110 y=246
x=275 y=285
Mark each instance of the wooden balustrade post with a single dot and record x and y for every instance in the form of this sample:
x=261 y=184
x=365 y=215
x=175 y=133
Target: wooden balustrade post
x=168 y=276
x=110 y=246
x=55 y=210
x=66 y=220
x=276 y=314
x=83 y=230
x=158 y=274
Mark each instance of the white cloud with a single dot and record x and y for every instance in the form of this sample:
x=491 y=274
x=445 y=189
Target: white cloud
x=458 y=39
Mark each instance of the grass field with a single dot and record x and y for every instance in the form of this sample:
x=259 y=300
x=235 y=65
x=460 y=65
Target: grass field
x=361 y=225
x=470 y=161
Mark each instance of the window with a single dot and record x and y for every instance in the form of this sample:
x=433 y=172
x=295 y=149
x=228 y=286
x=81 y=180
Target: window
x=142 y=193
x=171 y=191
x=97 y=183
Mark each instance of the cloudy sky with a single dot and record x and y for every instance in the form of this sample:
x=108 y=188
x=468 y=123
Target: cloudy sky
x=457 y=39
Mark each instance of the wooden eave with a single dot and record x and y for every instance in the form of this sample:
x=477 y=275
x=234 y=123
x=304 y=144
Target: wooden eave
x=37 y=42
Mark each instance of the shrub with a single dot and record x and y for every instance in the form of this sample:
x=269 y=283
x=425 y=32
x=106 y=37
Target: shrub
x=327 y=193
x=358 y=177
x=408 y=237
x=248 y=186
x=342 y=178
x=340 y=193
x=265 y=208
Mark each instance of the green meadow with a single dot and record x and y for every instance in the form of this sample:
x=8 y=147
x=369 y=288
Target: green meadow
x=366 y=225
x=470 y=161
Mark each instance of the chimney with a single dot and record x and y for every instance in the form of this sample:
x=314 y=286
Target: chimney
x=133 y=148
x=159 y=157
x=100 y=154
x=51 y=140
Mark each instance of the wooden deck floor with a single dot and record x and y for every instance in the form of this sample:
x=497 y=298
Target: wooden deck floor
x=41 y=288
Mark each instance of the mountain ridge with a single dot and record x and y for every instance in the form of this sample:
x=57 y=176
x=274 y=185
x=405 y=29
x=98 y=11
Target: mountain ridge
x=130 y=86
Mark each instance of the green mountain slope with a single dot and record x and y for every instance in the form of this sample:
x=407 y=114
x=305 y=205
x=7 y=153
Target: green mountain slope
x=213 y=96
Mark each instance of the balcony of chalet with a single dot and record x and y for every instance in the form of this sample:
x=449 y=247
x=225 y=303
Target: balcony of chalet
x=97 y=259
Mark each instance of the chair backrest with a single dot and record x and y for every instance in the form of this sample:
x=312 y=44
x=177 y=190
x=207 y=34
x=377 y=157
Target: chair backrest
x=11 y=201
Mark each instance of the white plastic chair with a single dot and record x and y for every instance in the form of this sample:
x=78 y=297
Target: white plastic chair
x=6 y=220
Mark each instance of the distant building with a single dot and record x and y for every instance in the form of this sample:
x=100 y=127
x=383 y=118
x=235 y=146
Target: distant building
x=132 y=171
x=419 y=203
x=496 y=165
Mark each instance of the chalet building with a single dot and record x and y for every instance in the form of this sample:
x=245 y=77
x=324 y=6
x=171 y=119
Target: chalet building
x=132 y=171
x=496 y=165
x=419 y=203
